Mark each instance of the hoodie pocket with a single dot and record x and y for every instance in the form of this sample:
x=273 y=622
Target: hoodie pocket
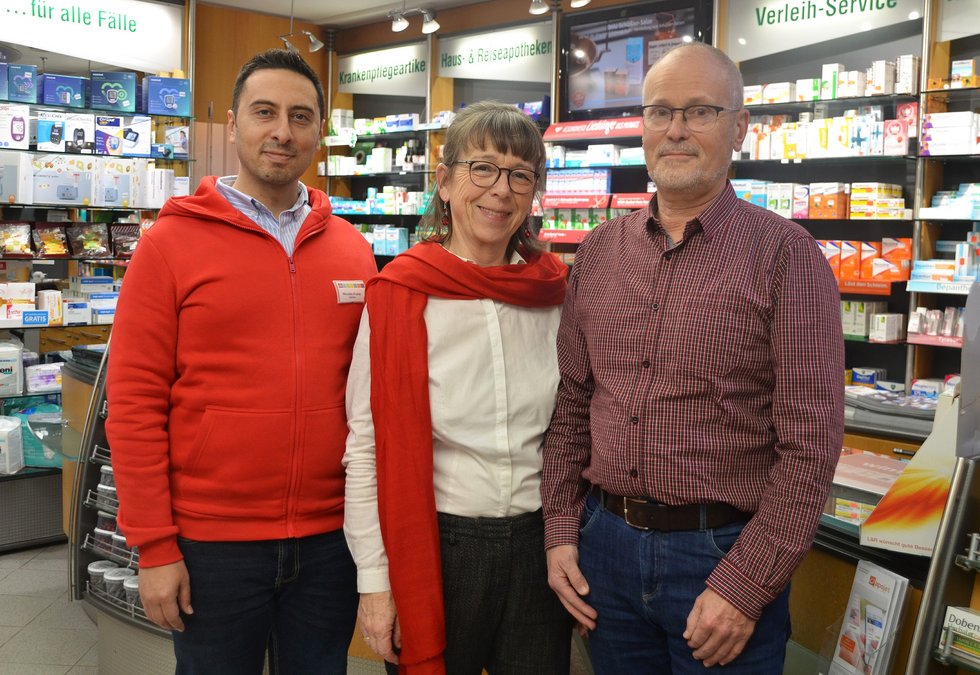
x=240 y=465
x=321 y=477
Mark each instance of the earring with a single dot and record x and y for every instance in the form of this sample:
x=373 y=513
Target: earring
x=445 y=216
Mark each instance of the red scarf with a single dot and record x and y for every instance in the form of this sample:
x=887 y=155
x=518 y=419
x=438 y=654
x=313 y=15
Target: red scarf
x=396 y=300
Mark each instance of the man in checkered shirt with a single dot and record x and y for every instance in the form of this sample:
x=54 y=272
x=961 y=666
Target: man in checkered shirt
x=700 y=411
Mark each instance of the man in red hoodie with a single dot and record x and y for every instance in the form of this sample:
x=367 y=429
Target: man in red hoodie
x=226 y=383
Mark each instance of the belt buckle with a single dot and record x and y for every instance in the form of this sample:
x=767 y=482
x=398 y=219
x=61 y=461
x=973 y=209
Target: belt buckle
x=626 y=513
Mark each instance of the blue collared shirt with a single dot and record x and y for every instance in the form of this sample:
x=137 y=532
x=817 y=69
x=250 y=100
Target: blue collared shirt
x=285 y=227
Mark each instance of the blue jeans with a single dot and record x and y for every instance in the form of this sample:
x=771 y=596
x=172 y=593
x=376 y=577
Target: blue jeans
x=295 y=597
x=643 y=584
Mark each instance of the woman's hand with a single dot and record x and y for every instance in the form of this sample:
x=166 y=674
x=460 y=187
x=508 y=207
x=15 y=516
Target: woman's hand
x=379 y=624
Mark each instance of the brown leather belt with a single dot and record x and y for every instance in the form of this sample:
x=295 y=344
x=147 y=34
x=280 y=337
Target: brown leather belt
x=647 y=515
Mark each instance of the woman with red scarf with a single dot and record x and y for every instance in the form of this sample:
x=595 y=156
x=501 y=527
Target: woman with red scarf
x=450 y=392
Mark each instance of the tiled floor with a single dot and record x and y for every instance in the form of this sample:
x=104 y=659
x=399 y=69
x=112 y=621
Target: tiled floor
x=41 y=633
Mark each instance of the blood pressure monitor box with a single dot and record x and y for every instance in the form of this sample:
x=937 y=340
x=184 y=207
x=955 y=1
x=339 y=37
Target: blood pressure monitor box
x=113 y=91
x=109 y=135
x=167 y=96
x=137 y=136
x=21 y=83
x=66 y=90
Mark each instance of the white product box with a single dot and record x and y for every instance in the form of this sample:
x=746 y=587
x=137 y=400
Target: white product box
x=16 y=177
x=752 y=94
x=182 y=186
x=930 y=388
x=103 y=316
x=50 y=301
x=779 y=92
x=12 y=292
x=63 y=180
x=829 y=78
x=114 y=181
x=15 y=126
x=962 y=118
x=100 y=300
x=80 y=133
x=51 y=131
x=42 y=378
x=156 y=188
x=137 y=136
x=11 y=369
x=882 y=80
x=808 y=89
x=603 y=154
x=907 y=74
x=887 y=328
x=75 y=312
x=867 y=377
x=95 y=284
x=11 y=446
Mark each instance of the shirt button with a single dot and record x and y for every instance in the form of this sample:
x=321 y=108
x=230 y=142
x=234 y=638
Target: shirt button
x=646 y=364
x=634 y=420
x=655 y=306
x=634 y=473
x=667 y=256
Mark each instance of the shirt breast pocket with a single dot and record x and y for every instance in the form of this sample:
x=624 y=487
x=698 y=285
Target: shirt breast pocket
x=728 y=336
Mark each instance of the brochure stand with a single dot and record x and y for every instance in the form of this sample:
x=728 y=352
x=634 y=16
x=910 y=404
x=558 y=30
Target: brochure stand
x=948 y=584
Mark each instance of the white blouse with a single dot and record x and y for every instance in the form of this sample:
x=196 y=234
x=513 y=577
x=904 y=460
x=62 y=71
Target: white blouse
x=493 y=377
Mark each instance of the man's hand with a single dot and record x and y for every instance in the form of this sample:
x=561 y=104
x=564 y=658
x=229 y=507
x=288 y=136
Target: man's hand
x=567 y=581
x=716 y=631
x=166 y=591
x=378 y=618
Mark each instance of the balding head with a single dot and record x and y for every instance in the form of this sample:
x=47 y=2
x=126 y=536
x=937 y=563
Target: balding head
x=722 y=68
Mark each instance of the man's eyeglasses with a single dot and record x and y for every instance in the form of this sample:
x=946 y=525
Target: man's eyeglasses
x=697 y=117
x=485 y=174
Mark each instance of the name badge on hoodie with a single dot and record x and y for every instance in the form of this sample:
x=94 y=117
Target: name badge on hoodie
x=348 y=292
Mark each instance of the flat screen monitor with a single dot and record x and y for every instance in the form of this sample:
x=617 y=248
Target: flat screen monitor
x=606 y=53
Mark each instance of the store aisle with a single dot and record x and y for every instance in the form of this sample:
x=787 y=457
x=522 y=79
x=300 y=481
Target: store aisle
x=41 y=633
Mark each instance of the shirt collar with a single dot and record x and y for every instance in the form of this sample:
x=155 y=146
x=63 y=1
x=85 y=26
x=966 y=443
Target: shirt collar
x=225 y=186
x=515 y=258
x=711 y=220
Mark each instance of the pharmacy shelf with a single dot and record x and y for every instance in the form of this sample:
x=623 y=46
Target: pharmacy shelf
x=6 y=397
x=864 y=287
x=848 y=159
x=944 y=287
x=848 y=102
x=955 y=93
x=936 y=341
x=954 y=659
x=95 y=111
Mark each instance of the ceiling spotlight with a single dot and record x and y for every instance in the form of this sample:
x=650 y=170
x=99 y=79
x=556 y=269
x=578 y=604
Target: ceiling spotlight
x=575 y=4
x=429 y=23
x=398 y=22
x=538 y=7
x=315 y=44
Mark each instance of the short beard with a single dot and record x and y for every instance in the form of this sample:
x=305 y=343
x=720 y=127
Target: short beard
x=677 y=180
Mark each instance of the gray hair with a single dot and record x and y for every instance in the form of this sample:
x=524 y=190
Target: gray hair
x=485 y=124
x=727 y=68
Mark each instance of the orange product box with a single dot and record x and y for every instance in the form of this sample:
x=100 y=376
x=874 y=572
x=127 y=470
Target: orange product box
x=829 y=201
x=870 y=251
x=850 y=260
x=896 y=249
x=831 y=251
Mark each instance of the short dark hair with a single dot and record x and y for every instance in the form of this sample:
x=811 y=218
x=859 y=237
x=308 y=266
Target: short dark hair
x=277 y=59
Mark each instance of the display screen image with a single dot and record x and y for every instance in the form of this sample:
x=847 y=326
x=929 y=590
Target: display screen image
x=606 y=60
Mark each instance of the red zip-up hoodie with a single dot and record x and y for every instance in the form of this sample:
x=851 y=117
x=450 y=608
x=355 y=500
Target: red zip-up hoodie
x=227 y=373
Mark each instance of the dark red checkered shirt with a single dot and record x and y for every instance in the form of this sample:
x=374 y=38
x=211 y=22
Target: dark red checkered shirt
x=707 y=372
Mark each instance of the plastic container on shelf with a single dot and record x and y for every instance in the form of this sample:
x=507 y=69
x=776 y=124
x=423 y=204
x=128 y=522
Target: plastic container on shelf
x=102 y=539
x=11 y=446
x=11 y=369
x=43 y=378
x=119 y=542
x=131 y=587
x=114 y=582
x=96 y=573
x=106 y=522
x=106 y=477
x=107 y=495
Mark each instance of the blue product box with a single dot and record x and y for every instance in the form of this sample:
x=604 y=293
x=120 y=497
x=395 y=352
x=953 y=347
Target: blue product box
x=108 y=135
x=67 y=90
x=162 y=150
x=113 y=91
x=35 y=317
x=167 y=96
x=21 y=83
x=3 y=81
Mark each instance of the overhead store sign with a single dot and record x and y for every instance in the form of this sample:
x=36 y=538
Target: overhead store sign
x=522 y=54
x=400 y=71
x=761 y=27
x=125 y=33
x=957 y=19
